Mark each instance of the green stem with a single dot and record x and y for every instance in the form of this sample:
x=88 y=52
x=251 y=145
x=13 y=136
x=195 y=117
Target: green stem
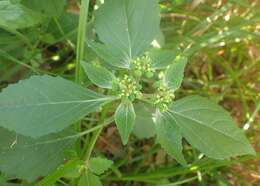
x=92 y=144
x=11 y=58
x=62 y=31
x=58 y=26
x=181 y=182
x=93 y=139
x=81 y=38
x=174 y=171
x=15 y=60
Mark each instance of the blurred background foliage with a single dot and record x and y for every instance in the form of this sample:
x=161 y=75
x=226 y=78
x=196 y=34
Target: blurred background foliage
x=222 y=40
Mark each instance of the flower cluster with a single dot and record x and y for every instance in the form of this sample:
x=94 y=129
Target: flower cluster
x=142 y=66
x=163 y=98
x=128 y=88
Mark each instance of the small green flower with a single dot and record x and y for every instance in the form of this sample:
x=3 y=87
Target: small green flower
x=127 y=88
x=142 y=66
x=163 y=98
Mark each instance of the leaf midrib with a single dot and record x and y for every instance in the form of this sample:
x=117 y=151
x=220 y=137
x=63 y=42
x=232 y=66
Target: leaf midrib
x=128 y=32
x=57 y=103
x=211 y=128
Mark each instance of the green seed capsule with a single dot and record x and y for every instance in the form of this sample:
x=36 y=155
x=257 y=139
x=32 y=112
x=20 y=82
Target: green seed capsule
x=149 y=74
x=138 y=73
x=157 y=84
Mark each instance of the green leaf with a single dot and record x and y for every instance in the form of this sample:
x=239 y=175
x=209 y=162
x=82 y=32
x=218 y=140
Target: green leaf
x=89 y=179
x=10 y=44
x=209 y=128
x=45 y=104
x=144 y=125
x=175 y=73
x=110 y=55
x=67 y=26
x=169 y=136
x=28 y=158
x=123 y=25
x=99 y=165
x=99 y=75
x=125 y=119
x=162 y=58
x=16 y=16
x=46 y=7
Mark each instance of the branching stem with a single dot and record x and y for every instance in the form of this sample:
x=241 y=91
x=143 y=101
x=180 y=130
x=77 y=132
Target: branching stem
x=83 y=17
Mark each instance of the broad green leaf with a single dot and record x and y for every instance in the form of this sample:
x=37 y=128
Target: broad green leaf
x=125 y=119
x=161 y=58
x=99 y=165
x=89 y=179
x=68 y=23
x=175 y=73
x=123 y=25
x=169 y=136
x=99 y=75
x=11 y=44
x=45 y=104
x=144 y=125
x=110 y=55
x=16 y=16
x=46 y=7
x=29 y=158
x=209 y=128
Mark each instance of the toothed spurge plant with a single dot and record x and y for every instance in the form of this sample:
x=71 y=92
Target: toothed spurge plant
x=44 y=116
